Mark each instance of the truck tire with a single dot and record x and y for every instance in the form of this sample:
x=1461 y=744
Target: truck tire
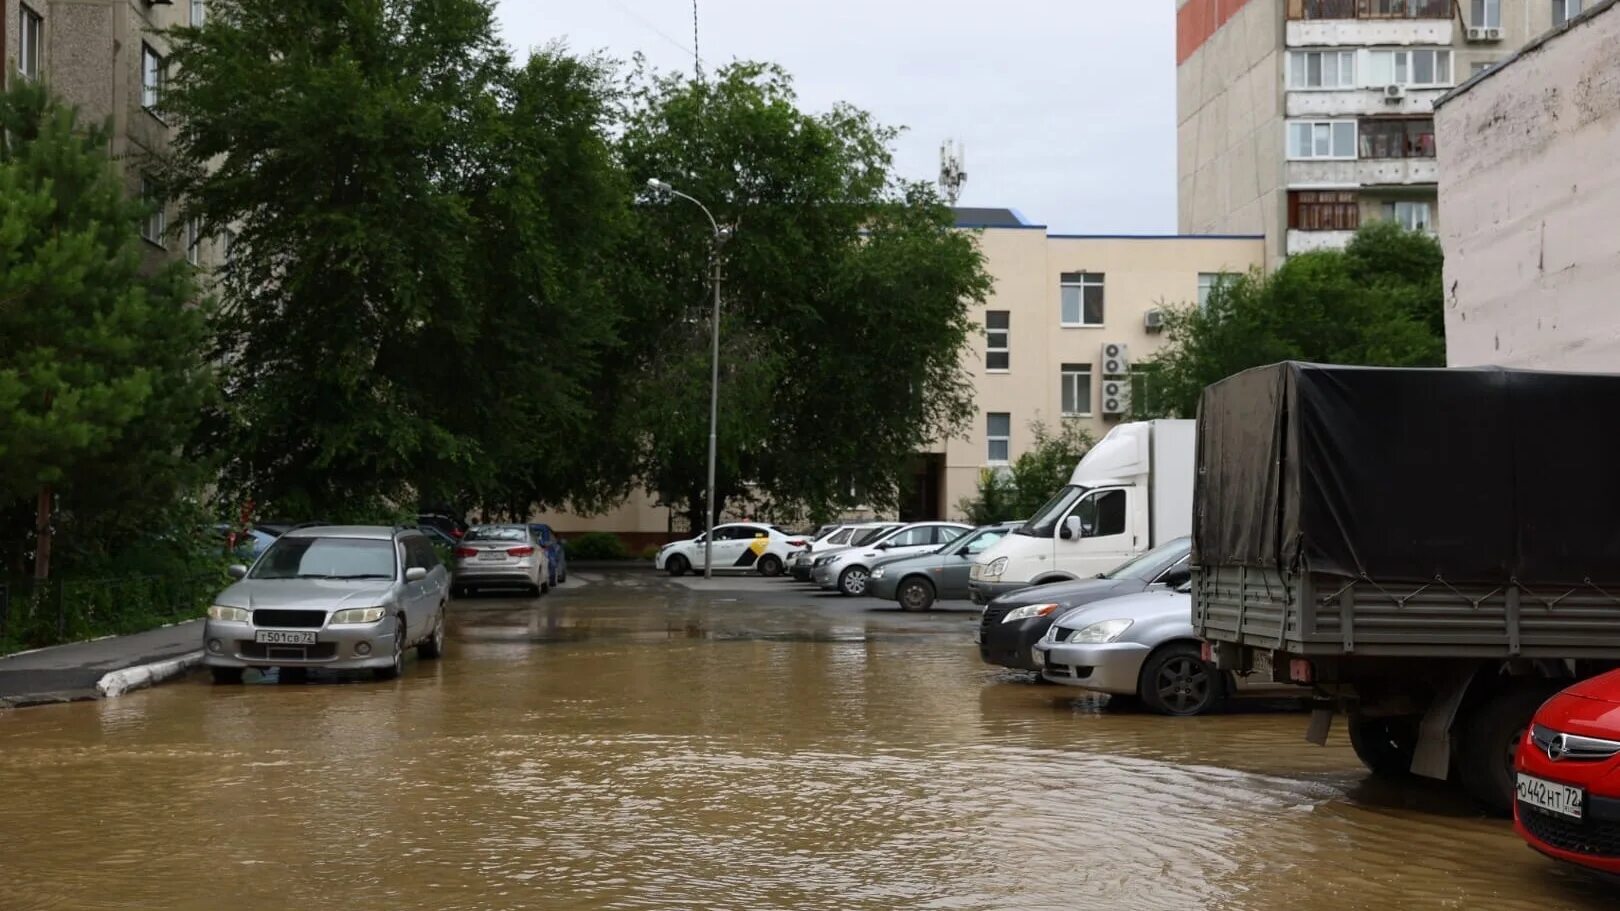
x=1488 y=737
x=1385 y=745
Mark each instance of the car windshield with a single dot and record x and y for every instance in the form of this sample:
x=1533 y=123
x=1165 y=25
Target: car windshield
x=1150 y=564
x=326 y=558
x=867 y=535
x=497 y=533
x=974 y=541
x=1045 y=520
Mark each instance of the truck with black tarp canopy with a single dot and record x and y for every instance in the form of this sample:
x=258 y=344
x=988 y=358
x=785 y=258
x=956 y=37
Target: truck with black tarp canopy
x=1435 y=551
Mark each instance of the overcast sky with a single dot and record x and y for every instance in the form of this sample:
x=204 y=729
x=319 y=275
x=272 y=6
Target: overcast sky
x=1066 y=107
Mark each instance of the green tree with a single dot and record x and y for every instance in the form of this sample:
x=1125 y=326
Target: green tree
x=1378 y=303
x=101 y=370
x=417 y=303
x=846 y=297
x=1019 y=490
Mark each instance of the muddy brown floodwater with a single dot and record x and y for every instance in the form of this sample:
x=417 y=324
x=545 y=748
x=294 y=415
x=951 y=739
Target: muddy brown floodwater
x=629 y=743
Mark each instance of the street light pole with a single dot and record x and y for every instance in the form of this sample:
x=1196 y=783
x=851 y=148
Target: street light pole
x=714 y=376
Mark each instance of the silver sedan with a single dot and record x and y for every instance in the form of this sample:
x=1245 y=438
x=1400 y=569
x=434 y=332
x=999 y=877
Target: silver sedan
x=491 y=556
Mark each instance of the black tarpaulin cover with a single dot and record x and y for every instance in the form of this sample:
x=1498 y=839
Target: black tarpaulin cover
x=1471 y=475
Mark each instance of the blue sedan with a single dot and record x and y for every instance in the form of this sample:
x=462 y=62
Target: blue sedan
x=554 y=550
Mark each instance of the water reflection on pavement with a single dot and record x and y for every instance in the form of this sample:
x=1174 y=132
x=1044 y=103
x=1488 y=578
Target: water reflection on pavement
x=631 y=743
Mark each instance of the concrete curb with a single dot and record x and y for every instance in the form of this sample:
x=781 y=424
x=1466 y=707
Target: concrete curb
x=119 y=682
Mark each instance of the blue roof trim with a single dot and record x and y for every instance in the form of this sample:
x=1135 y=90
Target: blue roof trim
x=1158 y=236
x=1025 y=227
x=1018 y=214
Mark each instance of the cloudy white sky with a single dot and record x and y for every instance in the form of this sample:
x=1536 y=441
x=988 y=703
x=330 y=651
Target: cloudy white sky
x=1066 y=107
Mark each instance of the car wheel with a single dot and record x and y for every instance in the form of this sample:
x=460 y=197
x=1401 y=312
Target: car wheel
x=852 y=581
x=398 y=664
x=1385 y=745
x=1177 y=681
x=770 y=565
x=1488 y=741
x=433 y=646
x=915 y=593
x=226 y=674
x=677 y=565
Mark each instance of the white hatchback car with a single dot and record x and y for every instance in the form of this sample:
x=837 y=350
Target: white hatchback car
x=847 y=570
x=738 y=547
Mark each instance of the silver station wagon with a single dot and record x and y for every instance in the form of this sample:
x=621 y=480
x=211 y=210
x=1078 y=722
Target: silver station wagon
x=339 y=597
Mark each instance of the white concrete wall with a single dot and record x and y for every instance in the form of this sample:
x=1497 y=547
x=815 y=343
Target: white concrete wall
x=1530 y=182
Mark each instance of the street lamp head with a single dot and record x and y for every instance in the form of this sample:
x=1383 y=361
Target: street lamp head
x=656 y=184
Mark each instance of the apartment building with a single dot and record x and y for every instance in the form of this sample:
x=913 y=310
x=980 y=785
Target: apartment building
x=109 y=58
x=1301 y=119
x=1067 y=318
x=1531 y=182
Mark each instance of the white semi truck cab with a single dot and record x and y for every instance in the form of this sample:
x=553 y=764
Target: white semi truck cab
x=1131 y=492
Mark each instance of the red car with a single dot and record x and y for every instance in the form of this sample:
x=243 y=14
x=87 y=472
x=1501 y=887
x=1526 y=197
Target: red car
x=1568 y=776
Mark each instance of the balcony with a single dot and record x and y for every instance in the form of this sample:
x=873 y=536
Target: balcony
x=1306 y=241
x=1364 y=172
x=1368 y=32
x=1314 y=10
x=1360 y=102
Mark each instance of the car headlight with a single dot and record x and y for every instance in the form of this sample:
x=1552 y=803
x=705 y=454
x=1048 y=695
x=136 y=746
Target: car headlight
x=994 y=570
x=822 y=561
x=1028 y=611
x=1106 y=631
x=359 y=615
x=876 y=573
x=233 y=614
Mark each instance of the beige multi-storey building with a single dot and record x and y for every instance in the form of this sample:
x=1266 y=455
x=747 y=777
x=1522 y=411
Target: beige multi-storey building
x=1067 y=317
x=110 y=60
x=1300 y=119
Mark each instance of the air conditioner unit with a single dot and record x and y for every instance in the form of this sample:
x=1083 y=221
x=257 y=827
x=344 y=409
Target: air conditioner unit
x=1394 y=91
x=1116 y=359
x=1116 y=396
x=1153 y=320
x=1493 y=34
x=1475 y=34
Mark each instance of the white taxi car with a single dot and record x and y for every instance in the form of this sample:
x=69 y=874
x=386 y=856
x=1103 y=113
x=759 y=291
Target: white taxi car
x=738 y=547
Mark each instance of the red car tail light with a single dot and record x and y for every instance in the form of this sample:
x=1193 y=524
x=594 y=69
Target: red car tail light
x=465 y=552
x=520 y=551
x=457 y=533
x=796 y=542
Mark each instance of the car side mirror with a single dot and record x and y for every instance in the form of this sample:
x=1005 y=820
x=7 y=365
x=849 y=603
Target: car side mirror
x=236 y=571
x=1071 y=528
x=415 y=574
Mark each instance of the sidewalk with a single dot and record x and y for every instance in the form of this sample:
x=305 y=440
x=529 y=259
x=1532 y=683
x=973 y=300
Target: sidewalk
x=63 y=673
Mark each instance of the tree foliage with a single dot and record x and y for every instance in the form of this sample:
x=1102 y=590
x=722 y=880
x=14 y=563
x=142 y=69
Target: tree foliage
x=846 y=294
x=1019 y=491
x=1378 y=302
x=101 y=373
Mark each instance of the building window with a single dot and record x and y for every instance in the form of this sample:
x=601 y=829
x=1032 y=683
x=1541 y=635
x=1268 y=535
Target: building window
x=153 y=226
x=1413 y=216
x=1487 y=14
x=1406 y=9
x=1322 y=139
x=225 y=248
x=1329 y=9
x=198 y=14
x=1322 y=70
x=1208 y=282
x=1398 y=138
x=1423 y=68
x=193 y=240
x=1323 y=210
x=1000 y=437
x=1565 y=10
x=30 y=31
x=1076 y=379
x=996 y=356
x=1082 y=298
x=152 y=73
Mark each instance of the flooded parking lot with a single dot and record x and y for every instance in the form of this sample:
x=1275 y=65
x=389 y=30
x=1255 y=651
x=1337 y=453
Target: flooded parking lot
x=632 y=743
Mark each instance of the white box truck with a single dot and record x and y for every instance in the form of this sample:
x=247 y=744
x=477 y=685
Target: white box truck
x=1133 y=491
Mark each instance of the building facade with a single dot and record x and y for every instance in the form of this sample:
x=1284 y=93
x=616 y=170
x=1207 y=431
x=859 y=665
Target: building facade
x=1530 y=178
x=1301 y=119
x=1067 y=317
x=109 y=59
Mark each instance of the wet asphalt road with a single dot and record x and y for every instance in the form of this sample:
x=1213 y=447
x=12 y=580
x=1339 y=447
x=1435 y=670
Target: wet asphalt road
x=633 y=742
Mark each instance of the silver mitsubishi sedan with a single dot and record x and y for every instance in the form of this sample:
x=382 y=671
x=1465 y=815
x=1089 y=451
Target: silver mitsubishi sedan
x=340 y=597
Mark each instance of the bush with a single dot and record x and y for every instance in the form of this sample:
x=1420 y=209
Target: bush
x=650 y=552
x=596 y=545
x=1019 y=490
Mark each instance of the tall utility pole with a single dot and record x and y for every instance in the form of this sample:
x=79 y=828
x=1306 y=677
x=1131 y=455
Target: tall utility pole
x=720 y=235
x=697 y=59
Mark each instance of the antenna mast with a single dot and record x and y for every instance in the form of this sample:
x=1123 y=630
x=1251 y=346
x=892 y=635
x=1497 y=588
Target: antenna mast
x=951 y=173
